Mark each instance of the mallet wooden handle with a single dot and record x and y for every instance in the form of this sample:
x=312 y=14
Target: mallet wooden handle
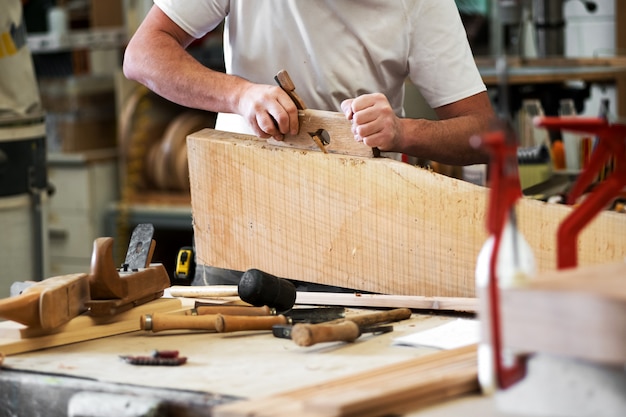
x=309 y=334
x=231 y=310
x=159 y=322
x=226 y=323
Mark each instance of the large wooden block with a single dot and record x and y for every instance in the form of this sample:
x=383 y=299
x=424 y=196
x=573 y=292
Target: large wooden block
x=370 y=224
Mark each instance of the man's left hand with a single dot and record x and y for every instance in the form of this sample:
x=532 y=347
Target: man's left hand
x=373 y=121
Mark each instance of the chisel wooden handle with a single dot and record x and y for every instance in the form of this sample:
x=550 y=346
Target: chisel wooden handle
x=309 y=334
x=225 y=323
x=231 y=310
x=284 y=81
x=369 y=319
x=159 y=322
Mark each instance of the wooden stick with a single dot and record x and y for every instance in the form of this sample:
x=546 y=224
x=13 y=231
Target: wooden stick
x=202 y=291
x=462 y=304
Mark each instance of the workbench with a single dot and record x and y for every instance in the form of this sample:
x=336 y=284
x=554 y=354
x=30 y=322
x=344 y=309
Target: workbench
x=221 y=368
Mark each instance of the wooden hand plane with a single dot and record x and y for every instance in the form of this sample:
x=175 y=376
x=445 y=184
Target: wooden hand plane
x=49 y=303
x=137 y=282
x=52 y=302
x=330 y=132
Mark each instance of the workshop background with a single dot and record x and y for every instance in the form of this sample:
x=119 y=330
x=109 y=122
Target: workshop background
x=96 y=154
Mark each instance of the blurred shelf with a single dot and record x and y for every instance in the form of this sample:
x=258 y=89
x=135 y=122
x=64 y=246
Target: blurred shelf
x=104 y=38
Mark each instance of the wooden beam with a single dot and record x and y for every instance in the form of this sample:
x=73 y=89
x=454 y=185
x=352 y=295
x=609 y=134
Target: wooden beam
x=369 y=224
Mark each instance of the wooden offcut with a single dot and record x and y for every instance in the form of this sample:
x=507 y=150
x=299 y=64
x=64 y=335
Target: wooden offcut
x=578 y=312
x=370 y=224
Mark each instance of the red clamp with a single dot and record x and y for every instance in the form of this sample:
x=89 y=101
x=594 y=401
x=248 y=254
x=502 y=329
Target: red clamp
x=505 y=190
x=611 y=143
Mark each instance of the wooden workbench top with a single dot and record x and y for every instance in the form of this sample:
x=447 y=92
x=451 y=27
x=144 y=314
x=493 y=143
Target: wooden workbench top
x=245 y=364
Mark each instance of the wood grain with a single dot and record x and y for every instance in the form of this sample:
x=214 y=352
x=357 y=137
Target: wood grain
x=370 y=224
x=393 y=389
x=578 y=313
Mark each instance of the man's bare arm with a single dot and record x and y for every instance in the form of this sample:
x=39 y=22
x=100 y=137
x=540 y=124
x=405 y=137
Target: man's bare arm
x=445 y=140
x=156 y=57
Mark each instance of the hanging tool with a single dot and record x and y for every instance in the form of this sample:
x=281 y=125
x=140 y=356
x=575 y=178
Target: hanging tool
x=611 y=144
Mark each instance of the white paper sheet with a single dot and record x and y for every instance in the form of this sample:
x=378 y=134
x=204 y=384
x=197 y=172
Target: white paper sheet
x=454 y=334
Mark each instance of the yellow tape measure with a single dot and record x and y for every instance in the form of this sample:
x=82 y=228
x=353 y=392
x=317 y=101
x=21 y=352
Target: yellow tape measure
x=185 y=263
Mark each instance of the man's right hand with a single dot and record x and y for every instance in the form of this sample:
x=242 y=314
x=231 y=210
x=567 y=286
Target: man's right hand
x=269 y=111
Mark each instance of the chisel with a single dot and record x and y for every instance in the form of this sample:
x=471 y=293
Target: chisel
x=228 y=323
x=309 y=334
x=223 y=322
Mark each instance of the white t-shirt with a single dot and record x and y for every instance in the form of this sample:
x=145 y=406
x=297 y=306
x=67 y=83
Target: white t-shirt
x=339 y=49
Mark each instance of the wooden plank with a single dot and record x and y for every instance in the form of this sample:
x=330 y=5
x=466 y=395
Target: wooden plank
x=16 y=338
x=393 y=389
x=578 y=313
x=370 y=224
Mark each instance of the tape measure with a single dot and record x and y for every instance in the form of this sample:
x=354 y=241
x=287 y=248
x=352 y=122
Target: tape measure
x=185 y=263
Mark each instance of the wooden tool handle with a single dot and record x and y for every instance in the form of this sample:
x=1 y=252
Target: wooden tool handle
x=368 y=319
x=23 y=308
x=309 y=334
x=231 y=310
x=159 y=322
x=224 y=323
x=284 y=80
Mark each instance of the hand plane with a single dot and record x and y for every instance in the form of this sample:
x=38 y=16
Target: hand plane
x=330 y=132
x=136 y=282
x=52 y=302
